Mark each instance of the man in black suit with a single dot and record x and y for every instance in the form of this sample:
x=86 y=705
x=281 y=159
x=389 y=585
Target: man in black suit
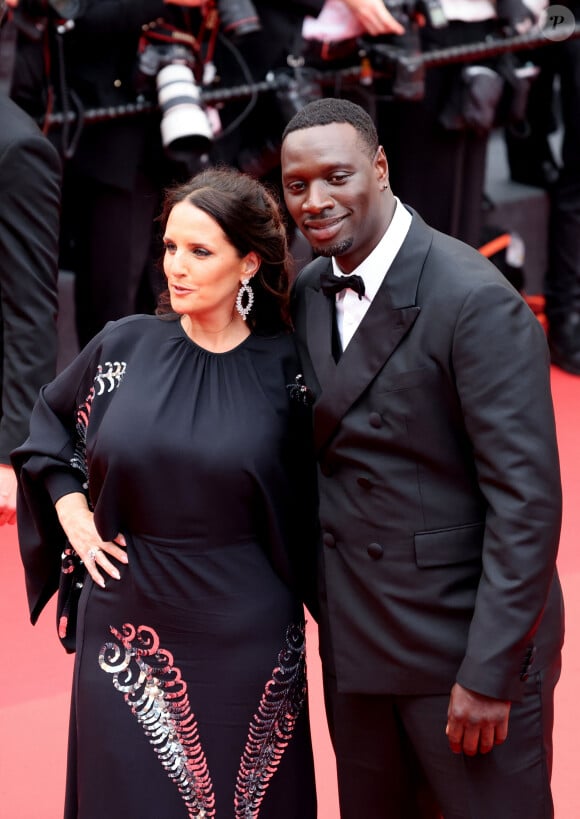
x=30 y=176
x=441 y=618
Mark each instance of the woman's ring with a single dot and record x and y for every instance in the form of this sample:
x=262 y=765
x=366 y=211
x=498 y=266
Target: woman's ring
x=92 y=554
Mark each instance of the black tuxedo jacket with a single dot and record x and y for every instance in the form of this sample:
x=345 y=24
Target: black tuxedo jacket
x=30 y=175
x=440 y=495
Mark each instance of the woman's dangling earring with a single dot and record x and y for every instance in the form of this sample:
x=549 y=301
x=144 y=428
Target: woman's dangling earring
x=245 y=290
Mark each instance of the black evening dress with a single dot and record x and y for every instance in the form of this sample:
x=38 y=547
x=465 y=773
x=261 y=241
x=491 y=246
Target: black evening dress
x=189 y=692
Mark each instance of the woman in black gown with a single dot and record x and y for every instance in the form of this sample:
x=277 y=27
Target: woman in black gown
x=169 y=463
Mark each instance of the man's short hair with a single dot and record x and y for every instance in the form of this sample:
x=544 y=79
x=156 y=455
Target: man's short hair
x=329 y=110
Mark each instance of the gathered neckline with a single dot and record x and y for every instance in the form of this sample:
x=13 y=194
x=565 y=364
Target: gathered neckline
x=203 y=349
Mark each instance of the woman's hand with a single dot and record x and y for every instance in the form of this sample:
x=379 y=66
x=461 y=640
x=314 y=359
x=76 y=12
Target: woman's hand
x=78 y=523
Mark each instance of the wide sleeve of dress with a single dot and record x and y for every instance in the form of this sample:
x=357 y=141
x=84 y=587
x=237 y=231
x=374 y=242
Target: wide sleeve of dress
x=49 y=464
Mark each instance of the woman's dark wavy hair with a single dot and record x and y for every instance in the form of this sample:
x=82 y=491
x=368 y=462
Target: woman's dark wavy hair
x=249 y=214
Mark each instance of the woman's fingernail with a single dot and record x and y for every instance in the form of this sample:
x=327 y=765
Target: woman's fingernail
x=116 y=574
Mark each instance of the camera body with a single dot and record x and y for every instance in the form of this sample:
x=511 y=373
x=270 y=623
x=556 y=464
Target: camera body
x=157 y=55
x=405 y=10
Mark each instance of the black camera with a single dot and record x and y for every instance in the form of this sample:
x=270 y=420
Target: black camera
x=238 y=18
x=404 y=10
x=169 y=67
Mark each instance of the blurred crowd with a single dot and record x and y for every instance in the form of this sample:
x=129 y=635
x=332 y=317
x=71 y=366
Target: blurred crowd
x=137 y=95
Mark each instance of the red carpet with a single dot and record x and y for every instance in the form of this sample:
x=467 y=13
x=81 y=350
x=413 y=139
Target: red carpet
x=35 y=671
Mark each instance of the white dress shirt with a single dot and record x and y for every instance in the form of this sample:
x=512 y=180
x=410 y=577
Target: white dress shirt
x=350 y=310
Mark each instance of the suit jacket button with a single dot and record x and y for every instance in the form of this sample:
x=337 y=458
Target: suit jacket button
x=329 y=540
x=364 y=482
x=375 y=550
x=375 y=420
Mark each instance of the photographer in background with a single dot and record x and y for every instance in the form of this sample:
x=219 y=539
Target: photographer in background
x=253 y=144
x=252 y=128
x=434 y=121
x=30 y=176
x=562 y=285
x=437 y=145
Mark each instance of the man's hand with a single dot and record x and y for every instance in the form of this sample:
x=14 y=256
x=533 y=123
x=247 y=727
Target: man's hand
x=475 y=723
x=374 y=16
x=7 y=495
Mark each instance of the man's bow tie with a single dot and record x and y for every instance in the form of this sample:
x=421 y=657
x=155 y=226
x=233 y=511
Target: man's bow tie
x=331 y=284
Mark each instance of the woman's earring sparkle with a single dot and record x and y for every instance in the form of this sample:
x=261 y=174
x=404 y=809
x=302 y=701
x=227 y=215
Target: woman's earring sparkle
x=247 y=292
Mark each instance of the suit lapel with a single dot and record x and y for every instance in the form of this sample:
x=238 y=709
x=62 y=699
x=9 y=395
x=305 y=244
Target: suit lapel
x=319 y=321
x=390 y=316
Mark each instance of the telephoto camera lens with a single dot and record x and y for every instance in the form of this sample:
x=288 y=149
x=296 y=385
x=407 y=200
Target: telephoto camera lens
x=238 y=18
x=185 y=127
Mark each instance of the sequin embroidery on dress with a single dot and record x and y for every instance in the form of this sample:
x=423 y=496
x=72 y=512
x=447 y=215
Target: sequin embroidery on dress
x=154 y=690
x=108 y=378
x=273 y=725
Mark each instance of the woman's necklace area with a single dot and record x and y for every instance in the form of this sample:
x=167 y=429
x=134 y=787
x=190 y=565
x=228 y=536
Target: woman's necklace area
x=210 y=339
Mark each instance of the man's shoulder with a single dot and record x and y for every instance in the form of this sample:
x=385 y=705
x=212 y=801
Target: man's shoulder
x=309 y=275
x=21 y=139
x=16 y=123
x=456 y=259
